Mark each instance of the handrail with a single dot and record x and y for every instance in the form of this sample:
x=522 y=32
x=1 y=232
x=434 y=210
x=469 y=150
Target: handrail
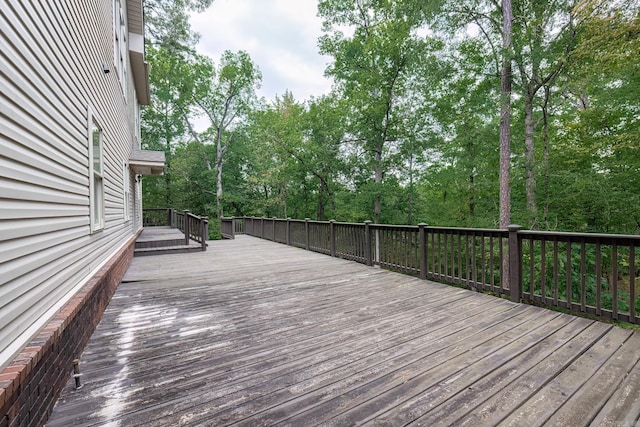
x=193 y=227
x=154 y=217
x=580 y=272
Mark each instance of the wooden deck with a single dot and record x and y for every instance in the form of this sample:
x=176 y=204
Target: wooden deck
x=258 y=333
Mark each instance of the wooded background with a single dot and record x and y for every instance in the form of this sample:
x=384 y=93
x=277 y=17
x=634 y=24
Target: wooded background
x=433 y=104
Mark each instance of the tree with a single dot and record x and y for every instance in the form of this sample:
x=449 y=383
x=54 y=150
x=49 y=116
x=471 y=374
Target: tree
x=167 y=22
x=324 y=129
x=162 y=122
x=464 y=136
x=225 y=96
x=372 y=68
x=600 y=138
x=169 y=49
x=544 y=36
x=505 y=115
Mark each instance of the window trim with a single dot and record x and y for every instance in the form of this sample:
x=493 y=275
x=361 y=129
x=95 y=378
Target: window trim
x=120 y=50
x=96 y=201
x=126 y=192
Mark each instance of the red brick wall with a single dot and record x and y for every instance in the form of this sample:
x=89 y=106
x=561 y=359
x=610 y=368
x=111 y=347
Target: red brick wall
x=31 y=384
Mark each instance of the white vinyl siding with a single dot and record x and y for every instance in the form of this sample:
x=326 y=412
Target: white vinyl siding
x=52 y=54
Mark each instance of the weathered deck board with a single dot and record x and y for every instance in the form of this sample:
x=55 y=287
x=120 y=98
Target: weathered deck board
x=258 y=333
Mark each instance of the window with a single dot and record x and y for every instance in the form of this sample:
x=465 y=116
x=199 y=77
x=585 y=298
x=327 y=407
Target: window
x=120 y=44
x=96 y=181
x=136 y=116
x=126 y=198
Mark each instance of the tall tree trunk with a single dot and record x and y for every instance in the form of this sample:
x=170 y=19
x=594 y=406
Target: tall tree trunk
x=505 y=132
x=505 y=116
x=472 y=198
x=377 y=202
x=529 y=158
x=167 y=163
x=410 y=207
x=286 y=206
x=321 y=201
x=219 y=162
x=471 y=162
x=545 y=141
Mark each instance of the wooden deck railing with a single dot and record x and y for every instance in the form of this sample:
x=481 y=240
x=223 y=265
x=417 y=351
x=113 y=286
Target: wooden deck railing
x=580 y=272
x=155 y=217
x=193 y=227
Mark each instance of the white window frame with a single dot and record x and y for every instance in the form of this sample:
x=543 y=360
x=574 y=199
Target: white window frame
x=137 y=123
x=126 y=192
x=96 y=175
x=120 y=44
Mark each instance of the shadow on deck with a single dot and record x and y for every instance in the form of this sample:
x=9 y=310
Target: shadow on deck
x=258 y=333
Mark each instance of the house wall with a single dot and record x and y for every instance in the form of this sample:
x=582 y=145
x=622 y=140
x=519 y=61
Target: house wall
x=31 y=384
x=51 y=82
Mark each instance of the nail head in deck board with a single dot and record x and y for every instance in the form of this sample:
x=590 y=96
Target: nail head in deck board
x=255 y=332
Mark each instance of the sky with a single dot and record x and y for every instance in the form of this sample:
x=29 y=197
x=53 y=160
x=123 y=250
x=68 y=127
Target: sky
x=281 y=36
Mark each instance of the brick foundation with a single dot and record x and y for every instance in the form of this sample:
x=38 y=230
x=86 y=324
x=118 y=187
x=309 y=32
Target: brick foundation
x=31 y=384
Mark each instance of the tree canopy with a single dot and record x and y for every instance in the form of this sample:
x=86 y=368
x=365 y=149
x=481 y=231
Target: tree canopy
x=470 y=113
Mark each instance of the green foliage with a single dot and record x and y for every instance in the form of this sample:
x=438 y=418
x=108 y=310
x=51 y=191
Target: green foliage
x=585 y=270
x=410 y=132
x=167 y=21
x=214 y=229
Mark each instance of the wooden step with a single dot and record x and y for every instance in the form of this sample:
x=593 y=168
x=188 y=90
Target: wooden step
x=167 y=250
x=159 y=243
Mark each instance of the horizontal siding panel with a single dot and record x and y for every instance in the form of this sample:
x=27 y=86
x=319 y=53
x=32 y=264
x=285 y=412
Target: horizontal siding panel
x=51 y=107
x=18 y=267
x=61 y=268
x=37 y=159
x=27 y=173
x=72 y=256
x=36 y=139
x=27 y=114
x=17 y=228
x=81 y=258
x=55 y=73
x=21 y=190
x=23 y=311
x=17 y=209
x=17 y=248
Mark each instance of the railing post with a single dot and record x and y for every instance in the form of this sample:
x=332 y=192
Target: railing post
x=306 y=233
x=288 y=232
x=233 y=227
x=273 y=227
x=262 y=227
x=332 y=237
x=376 y=254
x=515 y=252
x=169 y=216
x=422 y=233
x=367 y=243
x=204 y=232
x=186 y=227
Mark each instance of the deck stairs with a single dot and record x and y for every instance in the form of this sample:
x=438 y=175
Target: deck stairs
x=163 y=240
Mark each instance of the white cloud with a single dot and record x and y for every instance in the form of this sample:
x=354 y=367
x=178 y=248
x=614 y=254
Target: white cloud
x=280 y=35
